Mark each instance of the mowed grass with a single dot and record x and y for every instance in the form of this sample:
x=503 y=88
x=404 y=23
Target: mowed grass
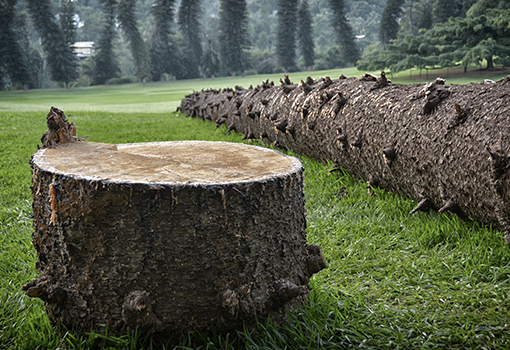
x=136 y=98
x=165 y=97
x=394 y=281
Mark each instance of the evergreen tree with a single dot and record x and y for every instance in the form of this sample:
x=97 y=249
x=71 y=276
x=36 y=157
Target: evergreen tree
x=480 y=7
x=444 y=9
x=59 y=54
x=286 y=34
x=425 y=19
x=210 y=60
x=305 y=34
x=233 y=35
x=460 y=40
x=344 y=33
x=106 y=65
x=390 y=17
x=465 y=6
x=189 y=24
x=162 y=48
x=128 y=23
x=13 y=64
x=30 y=54
x=67 y=22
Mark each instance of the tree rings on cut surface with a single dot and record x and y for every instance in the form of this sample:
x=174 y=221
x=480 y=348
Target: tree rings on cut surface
x=169 y=236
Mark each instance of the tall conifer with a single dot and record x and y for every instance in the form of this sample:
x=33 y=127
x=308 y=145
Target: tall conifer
x=13 y=64
x=233 y=35
x=389 y=25
x=67 y=21
x=59 y=54
x=106 y=65
x=162 y=48
x=189 y=24
x=128 y=23
x=210 y=61
x=305 y=34
x=286 y=34
x=344 y=33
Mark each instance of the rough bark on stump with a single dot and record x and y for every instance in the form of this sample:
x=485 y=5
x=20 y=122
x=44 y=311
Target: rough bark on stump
x=447 y=147
x=170 y=236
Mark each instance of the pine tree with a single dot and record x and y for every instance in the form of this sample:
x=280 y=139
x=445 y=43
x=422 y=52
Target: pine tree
x=210 y=61
x=59 y=54
x=286 y=34
x=344 y=33
x=127 y=18
x=233 y=35
x=67 y=22
x=162 y=48
x=189 y=23
x=12 y=61
x=390 y=17
x=444 y=9
x=480 y=7
x=31 y=55
x=305 y=34
x=106 y=65
x=424 y=16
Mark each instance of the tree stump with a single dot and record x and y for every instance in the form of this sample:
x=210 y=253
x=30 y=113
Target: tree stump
x=167 y=237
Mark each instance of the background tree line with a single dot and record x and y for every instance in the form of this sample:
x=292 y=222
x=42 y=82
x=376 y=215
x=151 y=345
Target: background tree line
x=152 y=40
x=441 y=33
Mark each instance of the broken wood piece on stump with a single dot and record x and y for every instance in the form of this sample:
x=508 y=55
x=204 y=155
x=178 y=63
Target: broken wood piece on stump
x=167 y=237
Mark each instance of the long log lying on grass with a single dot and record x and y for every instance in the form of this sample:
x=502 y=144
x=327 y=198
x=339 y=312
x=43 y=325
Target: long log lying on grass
x=446 y=146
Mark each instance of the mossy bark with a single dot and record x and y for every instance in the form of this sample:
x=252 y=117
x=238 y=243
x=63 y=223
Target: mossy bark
x=446 y=146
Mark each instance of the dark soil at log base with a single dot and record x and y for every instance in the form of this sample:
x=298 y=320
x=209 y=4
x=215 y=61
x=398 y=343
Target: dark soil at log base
x=446 y=146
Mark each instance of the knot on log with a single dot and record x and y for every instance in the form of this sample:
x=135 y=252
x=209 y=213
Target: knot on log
x=452 y=207
x=136 y=301
x=424 y=205
x=306 y=87
x=368 y=77
x=59 y=129
x=282 y=291
x=358 y=140
x=137 y=312
x=434 y=99
x=380 y=82
x=40 y=288
x=230 y=301
x=315 y=262
x=389 y=154
x=499 y=163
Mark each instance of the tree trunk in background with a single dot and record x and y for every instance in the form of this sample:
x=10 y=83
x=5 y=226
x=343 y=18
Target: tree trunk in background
x=168 y=237
x=445 y=146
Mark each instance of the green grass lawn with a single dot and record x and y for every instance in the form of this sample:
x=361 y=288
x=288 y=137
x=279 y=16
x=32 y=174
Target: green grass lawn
x=165 y=97
x=394 y=281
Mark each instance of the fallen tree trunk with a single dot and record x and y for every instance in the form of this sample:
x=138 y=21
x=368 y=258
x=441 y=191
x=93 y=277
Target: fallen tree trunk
x=167 y=237
x=446 y=146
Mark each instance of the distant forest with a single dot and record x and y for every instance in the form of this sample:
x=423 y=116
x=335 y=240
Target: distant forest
x=153 y=40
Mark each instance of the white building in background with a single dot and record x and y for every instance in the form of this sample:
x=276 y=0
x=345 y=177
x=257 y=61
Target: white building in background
x=83 y=49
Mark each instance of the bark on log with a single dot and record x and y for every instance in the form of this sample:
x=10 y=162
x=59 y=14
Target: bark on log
x=446 y=146
x=169 y=237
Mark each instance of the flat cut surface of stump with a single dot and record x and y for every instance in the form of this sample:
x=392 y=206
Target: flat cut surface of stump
x=167 y=237
x=197 y=162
